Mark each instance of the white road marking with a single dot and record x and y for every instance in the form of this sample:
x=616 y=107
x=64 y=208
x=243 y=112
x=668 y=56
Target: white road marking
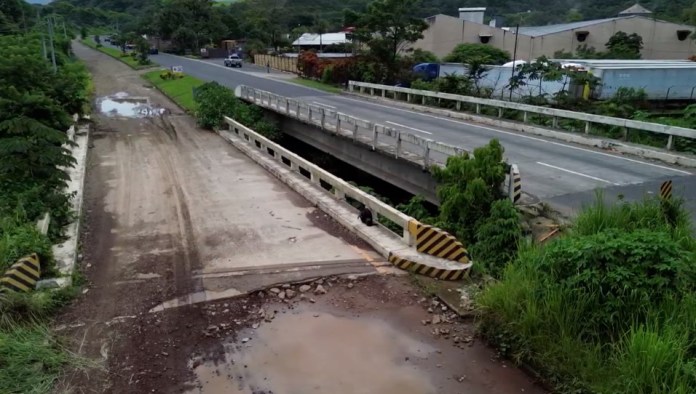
x=578 y=173
x=456 y=121
x=410 y=128
x=525 y=136
x=324 y=105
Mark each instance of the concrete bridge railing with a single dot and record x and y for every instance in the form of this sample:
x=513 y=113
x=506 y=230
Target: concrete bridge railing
x=420 y=248
x=403 y=145
x=526 y=109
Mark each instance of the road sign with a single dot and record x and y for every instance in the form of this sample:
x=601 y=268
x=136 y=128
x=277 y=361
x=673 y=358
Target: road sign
x=666 y=190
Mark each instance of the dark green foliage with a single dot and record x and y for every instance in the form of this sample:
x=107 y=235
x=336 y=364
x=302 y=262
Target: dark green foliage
x=18 y=239
x=215 y=101
x=480 y=53
x=497 y=238
x=467 y=188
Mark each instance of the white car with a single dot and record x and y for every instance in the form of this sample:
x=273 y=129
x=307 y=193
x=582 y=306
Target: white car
x=233 y=61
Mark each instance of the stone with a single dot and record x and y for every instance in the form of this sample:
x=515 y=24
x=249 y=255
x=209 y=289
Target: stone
x=352 y=277
x=436 y=319
x=430 y=310
x=319 y=281
x=312 y=300
x=290 y=294
x=351 y=285
x=245 y=340
x=320 y=290
x=305 y=288
x=286 y=286
x=255 y=326
x=275 y=290
x=281 y=295
x=165 y=354
x=425 y=322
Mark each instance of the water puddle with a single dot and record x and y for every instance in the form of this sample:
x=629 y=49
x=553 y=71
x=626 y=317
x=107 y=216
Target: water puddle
x=124 y=105
x=318 y=353
x=196 y=298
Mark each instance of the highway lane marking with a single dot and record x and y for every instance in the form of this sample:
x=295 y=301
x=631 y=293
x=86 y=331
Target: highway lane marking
x=324 y=105
x=578 y=173
x=410 y=128
x=525 y=136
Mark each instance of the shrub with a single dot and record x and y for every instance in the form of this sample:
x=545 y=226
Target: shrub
x=467 y=188
x=19 y=240
x=486 y=54
x=214 y=101
x=497 y=238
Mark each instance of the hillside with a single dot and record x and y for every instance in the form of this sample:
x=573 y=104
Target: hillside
x=289 y=14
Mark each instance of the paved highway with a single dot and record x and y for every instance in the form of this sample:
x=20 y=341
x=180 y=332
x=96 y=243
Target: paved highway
x=550 y=168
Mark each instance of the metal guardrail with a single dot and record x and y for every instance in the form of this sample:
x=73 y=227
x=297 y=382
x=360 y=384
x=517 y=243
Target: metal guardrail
x=322 y=178
x=589 y=119
x=422 y=151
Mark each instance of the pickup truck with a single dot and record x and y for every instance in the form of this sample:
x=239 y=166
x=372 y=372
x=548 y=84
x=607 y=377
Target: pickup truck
x=233 y=61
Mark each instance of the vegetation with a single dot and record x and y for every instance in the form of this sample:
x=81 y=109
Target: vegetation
x=627 y=270
x=136 y=59
x=478 y=53
x=35 y=112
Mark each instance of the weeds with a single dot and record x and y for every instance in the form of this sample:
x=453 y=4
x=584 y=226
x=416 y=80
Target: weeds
x=610 y=308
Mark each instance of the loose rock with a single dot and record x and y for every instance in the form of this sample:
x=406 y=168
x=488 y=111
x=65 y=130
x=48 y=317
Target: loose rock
x=286 y=286
x=436 y=319
x=351 y=285
x=320 y=290
x=305 y=288
x=290 y=294
x=281 y=295
x=275 y=290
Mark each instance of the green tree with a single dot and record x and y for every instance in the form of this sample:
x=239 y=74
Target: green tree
x=497 y=238
x=467 y=188
x=84 y=33
x=387 y=27
x=481 y=53
x=624 y=46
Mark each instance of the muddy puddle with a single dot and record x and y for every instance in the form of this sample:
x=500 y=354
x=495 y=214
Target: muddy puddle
x=124 y=105
x=308 y=352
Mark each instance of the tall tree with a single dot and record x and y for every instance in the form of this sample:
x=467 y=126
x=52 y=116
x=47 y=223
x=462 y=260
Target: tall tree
x=624 y=46
x=320 y=27
x=387 y=27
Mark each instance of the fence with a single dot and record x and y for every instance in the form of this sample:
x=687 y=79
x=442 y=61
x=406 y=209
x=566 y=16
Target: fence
x=557 y=116
x=281 y=63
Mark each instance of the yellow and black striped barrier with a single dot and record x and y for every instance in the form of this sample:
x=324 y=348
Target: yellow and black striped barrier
x=666 y=190
x=515 y=184
x=23 y=275
x=432 y=272
x=436 y=242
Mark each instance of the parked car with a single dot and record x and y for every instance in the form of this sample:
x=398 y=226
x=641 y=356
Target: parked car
x=154 y=51
x=233 y=61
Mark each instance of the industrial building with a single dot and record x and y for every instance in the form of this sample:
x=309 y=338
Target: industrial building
x=661 y=40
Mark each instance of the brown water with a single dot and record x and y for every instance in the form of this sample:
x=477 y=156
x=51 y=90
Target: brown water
x=319 y=353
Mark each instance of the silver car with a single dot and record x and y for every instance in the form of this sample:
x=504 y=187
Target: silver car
x=233 y=61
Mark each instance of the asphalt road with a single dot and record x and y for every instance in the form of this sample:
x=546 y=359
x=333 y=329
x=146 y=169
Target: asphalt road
x=550 y=169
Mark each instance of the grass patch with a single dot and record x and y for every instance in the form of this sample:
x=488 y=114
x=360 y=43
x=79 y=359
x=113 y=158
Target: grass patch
x=117 y=54
x=180 y=90
x=310 y=83
x=608 y=308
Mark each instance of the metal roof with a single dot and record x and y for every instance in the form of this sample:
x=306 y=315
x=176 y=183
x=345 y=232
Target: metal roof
x=535 y=31
x=309 y=39
x=635 y=9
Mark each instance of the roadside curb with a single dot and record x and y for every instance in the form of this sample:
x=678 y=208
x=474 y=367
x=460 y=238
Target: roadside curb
x=389 y=246
x=65 y=253
x=601 y=143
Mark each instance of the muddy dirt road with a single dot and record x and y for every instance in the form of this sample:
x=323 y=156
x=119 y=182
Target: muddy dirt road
x=179 y=226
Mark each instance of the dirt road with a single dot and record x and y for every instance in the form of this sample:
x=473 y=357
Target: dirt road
x=177 y=222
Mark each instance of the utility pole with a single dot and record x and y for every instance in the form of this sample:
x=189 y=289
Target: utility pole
x=514 y=57
x=53 y=48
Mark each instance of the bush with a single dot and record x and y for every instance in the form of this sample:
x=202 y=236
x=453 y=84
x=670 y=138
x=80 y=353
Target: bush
x=467 y=188
x=497 y=238
x=215 y=101
x=482 y=53
x=19 y=240
x=609 y=308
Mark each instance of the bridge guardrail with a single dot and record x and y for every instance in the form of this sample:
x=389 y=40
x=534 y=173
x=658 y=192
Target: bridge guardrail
x=589 y=119
x=329 y=182
x=403 y=145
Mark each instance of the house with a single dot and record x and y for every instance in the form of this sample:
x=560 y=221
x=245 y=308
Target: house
x=315 y=41
x=661 y=40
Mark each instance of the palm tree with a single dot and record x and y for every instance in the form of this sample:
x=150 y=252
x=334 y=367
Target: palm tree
x=320 y=27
